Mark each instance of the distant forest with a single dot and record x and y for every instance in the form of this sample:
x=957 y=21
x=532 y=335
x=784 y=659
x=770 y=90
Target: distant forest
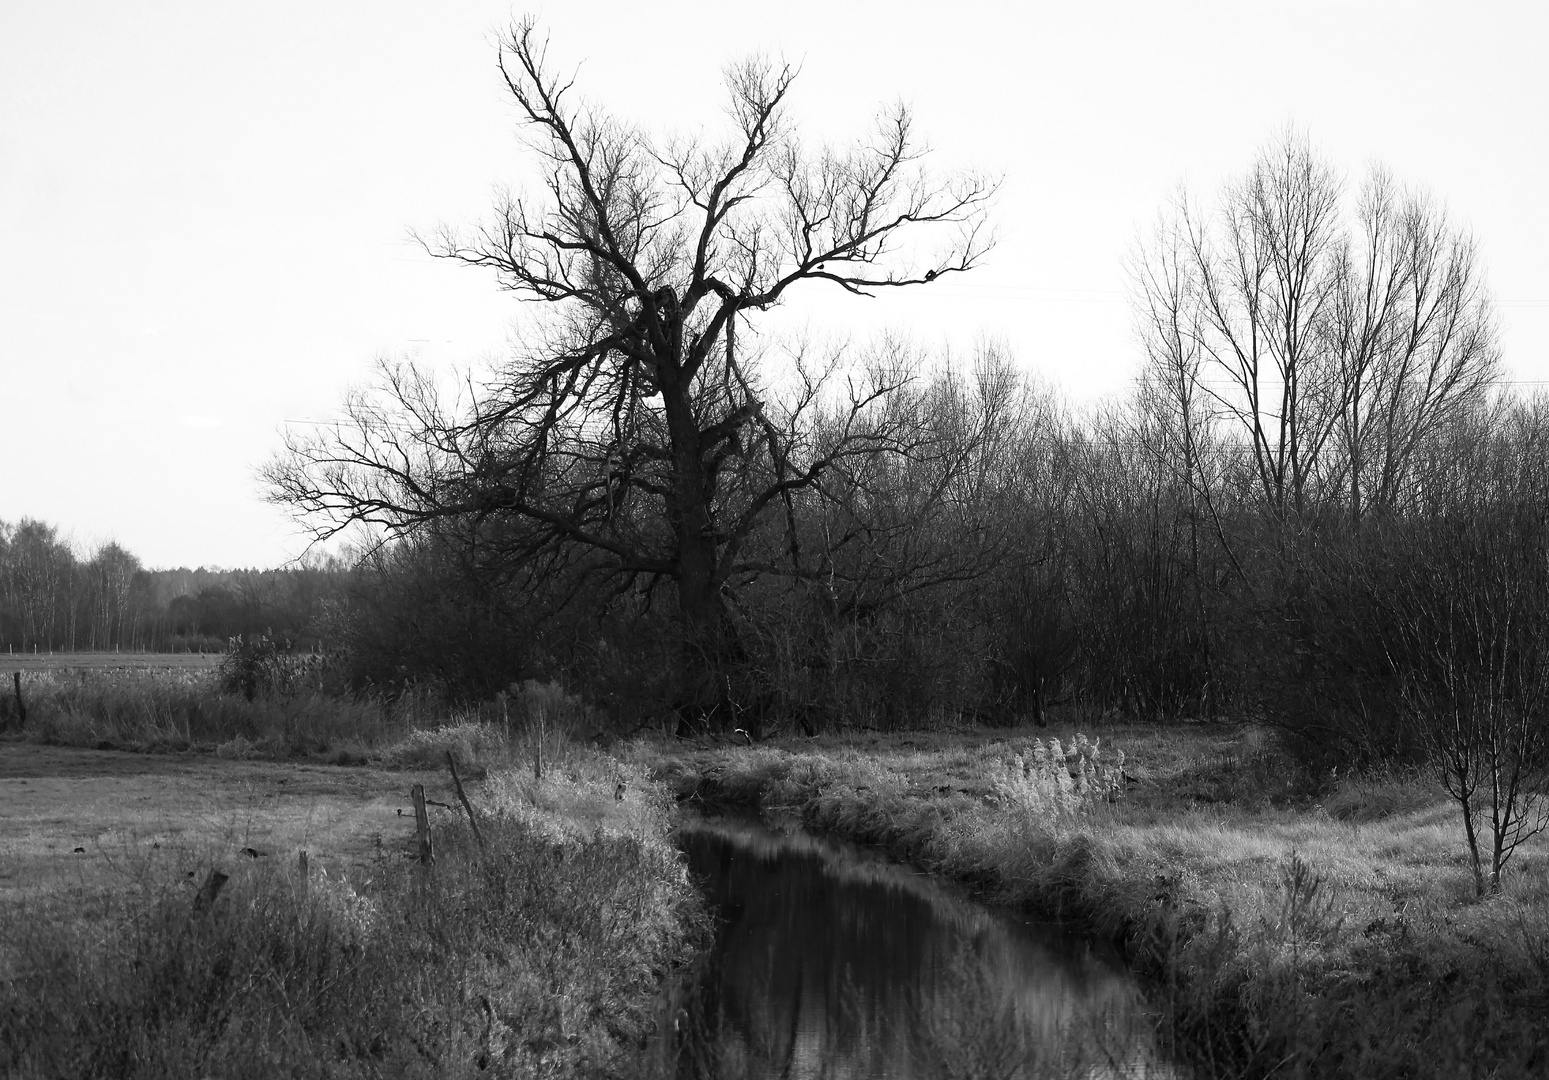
x=56 y=596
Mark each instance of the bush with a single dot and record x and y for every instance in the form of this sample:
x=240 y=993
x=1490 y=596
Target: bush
x=258 y=664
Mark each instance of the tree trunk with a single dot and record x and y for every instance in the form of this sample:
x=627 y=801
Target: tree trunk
x=21 y=706
x=1471 y=832
x=709 y=640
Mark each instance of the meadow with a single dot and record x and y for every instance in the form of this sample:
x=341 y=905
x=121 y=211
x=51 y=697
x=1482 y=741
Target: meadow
x=30 y=662
x=1285 y=923
x=542 y=947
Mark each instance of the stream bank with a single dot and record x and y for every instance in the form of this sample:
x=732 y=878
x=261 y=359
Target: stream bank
x=1280 y=924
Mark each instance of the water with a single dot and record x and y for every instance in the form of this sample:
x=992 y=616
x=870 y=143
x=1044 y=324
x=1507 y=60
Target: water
x=831 y=963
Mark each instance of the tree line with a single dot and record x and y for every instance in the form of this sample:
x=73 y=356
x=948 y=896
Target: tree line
x=56 y=597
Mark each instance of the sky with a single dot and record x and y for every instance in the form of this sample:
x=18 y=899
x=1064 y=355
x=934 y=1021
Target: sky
x=205 y=208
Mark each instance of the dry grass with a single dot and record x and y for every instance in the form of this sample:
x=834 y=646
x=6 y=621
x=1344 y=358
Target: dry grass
x=542 y=955
x=176 y=708
x=138 y=814
x=105 y=661
x=1288 y=924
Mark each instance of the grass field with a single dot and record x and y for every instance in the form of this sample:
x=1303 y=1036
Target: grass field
x=129 y=813
x=106 y=661
x=1287 y=924
x=540 y=950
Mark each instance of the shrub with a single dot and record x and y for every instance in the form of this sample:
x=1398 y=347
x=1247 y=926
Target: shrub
x=261 y=665
x=475 y=746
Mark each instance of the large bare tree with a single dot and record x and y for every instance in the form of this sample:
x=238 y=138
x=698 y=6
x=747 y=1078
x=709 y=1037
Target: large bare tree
x=1262 y=283
x=637 y=424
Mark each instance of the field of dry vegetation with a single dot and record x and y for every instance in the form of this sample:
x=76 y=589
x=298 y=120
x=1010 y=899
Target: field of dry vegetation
x=1285 y=919
x=542 y=950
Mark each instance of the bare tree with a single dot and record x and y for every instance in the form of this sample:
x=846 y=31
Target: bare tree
x=36 y=578
x=1262 y=294
x=637 y=424
x=109 y=577
x=1329 y=352
x=1465 y=638
x=1412 y=336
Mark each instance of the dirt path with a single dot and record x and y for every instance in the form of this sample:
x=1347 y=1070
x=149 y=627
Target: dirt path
x=82 y=823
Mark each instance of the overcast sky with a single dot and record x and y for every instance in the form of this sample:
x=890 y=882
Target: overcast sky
x=204 y=207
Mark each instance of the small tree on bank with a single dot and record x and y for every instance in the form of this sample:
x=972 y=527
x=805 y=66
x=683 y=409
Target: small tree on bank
x=1436 y=622
x=1467 y=645
x=637 y=426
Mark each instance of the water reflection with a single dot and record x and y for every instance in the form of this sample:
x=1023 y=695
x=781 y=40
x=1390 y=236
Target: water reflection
x=832 y=964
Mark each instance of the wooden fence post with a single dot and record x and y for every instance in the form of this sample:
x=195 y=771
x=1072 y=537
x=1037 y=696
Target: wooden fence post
x=422 y=823
x=473 y=822
x=537 y=761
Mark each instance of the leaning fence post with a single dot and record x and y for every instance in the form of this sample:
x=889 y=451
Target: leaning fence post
x=473 y=822
x=422 y=823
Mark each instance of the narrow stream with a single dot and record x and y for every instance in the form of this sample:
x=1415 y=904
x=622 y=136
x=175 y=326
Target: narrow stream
x=829 y=962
